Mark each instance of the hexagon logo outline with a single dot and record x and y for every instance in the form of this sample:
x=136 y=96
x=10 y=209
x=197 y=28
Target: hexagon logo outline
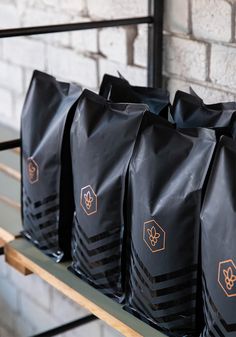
x=33 y=170
x=88 y=200
x=231 y=279
x=154 y=235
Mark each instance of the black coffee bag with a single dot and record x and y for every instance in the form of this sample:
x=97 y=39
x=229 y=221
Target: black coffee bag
x=102 y=140
x=218 y=243
x=189 y=110
x=166 y=176
x=47 y=188
x=119 y=90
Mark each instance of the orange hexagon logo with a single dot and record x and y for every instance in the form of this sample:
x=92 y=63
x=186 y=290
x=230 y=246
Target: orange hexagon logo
x=154 y=236
x=33 y=170
x=88 y=200
x=227 y=277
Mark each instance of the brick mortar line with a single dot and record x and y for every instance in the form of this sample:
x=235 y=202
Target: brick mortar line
x=208 y=63
x=194 y=38
x=211 y=85
x=233 y=13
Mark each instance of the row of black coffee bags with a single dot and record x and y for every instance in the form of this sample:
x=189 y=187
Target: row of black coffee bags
x=144 y=206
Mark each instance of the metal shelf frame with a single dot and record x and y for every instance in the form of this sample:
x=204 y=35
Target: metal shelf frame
x=154 y=20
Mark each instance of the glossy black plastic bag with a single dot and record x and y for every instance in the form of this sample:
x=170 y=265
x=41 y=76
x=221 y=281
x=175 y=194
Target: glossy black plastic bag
x=119 y=90
x=47 y=188
x=189 y=110
x=218 y=222
x=102 y=140
x=166 y=176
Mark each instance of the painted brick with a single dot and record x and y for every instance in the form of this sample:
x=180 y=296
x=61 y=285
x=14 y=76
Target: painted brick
x=8 y=303
x=206 y=92
x=18 y=105
x=109 y=332
x=186 y=58
x=114 y=9
x=37 y=17
x=85 y=40
x=211 y=19
x=70 y=66
x=113 y=44
x=64 y=309
x=7 y=316
x=74 y=6
x=45 y=4
x=1 y=47
x=176 y=17
x=25 y=52
x=9 y=16
x=141 y=47
x=38 y=316
x=135 y=75
x=28 y=73
x=223 y=65
x=3 y=268
x=11 y=77
x=210 y=95
x=4 y=332
x=8 y=294
x=91 y=329
x=32 y=287
x=23 y=327
x=6 y=106
x=116 y=43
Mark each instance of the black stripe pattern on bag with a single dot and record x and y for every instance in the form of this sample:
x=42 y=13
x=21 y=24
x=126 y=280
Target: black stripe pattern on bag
x=215 y=323
x=168 y=300
x=98 y=258
x=41 y=221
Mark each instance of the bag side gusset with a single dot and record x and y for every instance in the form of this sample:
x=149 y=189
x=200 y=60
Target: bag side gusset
x=218 y=243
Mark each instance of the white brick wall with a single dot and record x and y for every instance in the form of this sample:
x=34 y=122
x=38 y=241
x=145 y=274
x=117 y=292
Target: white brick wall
x=24 y=52
x=186 y=58
x=223 y=73
x=212 y=19
x=200 y=48
x=200 y=51
x=177 y=16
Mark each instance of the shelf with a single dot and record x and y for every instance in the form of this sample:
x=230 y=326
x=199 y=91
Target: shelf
x=27 y=259
x=23 y=256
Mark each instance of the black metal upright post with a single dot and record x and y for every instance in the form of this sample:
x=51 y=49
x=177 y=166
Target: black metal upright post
x=155 y=43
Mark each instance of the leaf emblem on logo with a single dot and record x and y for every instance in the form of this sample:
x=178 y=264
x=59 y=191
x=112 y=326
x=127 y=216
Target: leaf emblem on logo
x=230 y=278
x=88 y=200
x=153 y=235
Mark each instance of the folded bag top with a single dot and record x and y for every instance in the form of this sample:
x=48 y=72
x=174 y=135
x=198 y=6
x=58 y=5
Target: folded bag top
x=189 y=110
x=218 y=243
x=119 y=90
x=47 y=189
x=166 y=176
x=102 y=140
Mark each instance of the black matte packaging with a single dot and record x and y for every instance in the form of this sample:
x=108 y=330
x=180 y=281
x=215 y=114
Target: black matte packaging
x=189 y=110
x=47 y=189
x=218 y=224
x=166 y=176
x=119 y=90
x=102 y=140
